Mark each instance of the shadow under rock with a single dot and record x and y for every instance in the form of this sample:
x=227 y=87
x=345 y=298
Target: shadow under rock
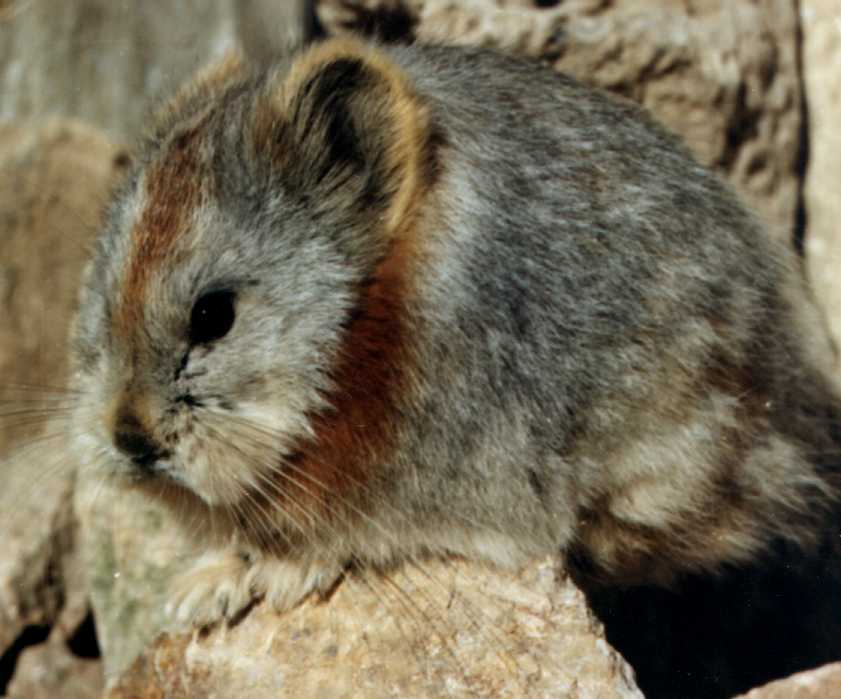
x=717 y=636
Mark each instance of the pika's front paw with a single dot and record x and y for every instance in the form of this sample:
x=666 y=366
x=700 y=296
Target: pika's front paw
x=221 y=585
x=215 y=588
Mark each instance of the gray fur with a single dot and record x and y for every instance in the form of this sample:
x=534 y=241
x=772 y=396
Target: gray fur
x=606 y=343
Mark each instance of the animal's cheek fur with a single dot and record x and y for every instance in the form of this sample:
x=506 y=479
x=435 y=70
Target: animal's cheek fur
x=228 y=460
x=91 y=441
x=209 y=469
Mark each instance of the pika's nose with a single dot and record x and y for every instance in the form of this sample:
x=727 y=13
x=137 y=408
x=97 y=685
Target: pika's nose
x=131 y=438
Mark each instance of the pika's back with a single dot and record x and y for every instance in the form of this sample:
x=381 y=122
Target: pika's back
x=446 y=293
x=628 y=316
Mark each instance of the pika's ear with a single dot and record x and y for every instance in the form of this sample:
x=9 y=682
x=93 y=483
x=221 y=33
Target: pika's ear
x=345 y=127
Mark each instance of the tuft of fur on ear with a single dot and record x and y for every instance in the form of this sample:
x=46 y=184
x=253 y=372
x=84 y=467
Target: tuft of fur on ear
x=209 y=82
x=345 y=124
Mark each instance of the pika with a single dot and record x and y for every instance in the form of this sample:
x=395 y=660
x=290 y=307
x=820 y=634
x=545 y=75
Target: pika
x=380 y=303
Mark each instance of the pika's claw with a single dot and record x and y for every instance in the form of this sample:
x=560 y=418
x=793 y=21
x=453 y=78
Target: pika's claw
x=222 y=584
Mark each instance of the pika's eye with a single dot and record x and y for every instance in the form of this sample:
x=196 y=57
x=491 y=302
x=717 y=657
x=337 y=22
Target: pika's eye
x=212 y=317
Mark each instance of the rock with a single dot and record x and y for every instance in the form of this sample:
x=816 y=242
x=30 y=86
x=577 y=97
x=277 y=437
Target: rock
x=448 y=629
x=822 y=77
x=49 y=670
x=53 y=180
x=823 y=683
x=39 y=539
x=721 y=74
x=131 y=550
x=105 y=61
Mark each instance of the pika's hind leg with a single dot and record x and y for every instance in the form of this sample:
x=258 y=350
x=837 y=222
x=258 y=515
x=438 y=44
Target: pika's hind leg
x=222 y=583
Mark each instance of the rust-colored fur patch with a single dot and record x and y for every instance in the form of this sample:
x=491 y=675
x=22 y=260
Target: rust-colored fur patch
x=373 y=373
x=172 y=192
x=389 y=125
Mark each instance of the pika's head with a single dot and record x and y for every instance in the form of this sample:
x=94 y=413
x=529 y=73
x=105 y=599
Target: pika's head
x=245 y=305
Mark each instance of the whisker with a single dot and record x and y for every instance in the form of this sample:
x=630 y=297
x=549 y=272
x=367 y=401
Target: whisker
x=477 y=620
x=265 y=482
x=386 y=598
x=286 y=465
x=264 y=438
x=261 y=519
x=364 y=488
x=24 y=424
x=433 y=622
x=45 y=389
x=33 y=462
x=32 y=416
x=100 y=482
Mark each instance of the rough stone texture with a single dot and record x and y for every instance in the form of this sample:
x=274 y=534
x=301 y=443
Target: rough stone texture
x=38 y=542
x=823 y=683
x=450 y=630
x=48 y=671
x=822 y=76
x=53 y=180
x=53 y=183
x=105 y=61
x=722 y=74
x=131 y=550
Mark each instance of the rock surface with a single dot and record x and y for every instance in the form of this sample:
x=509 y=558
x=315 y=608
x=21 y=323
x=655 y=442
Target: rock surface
x=721 y=74
x=823 y=683
x=822 y=75
x=131 y=550
x=106 y=61
x=53 y=181
x=48 y=671
x=450 y=630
